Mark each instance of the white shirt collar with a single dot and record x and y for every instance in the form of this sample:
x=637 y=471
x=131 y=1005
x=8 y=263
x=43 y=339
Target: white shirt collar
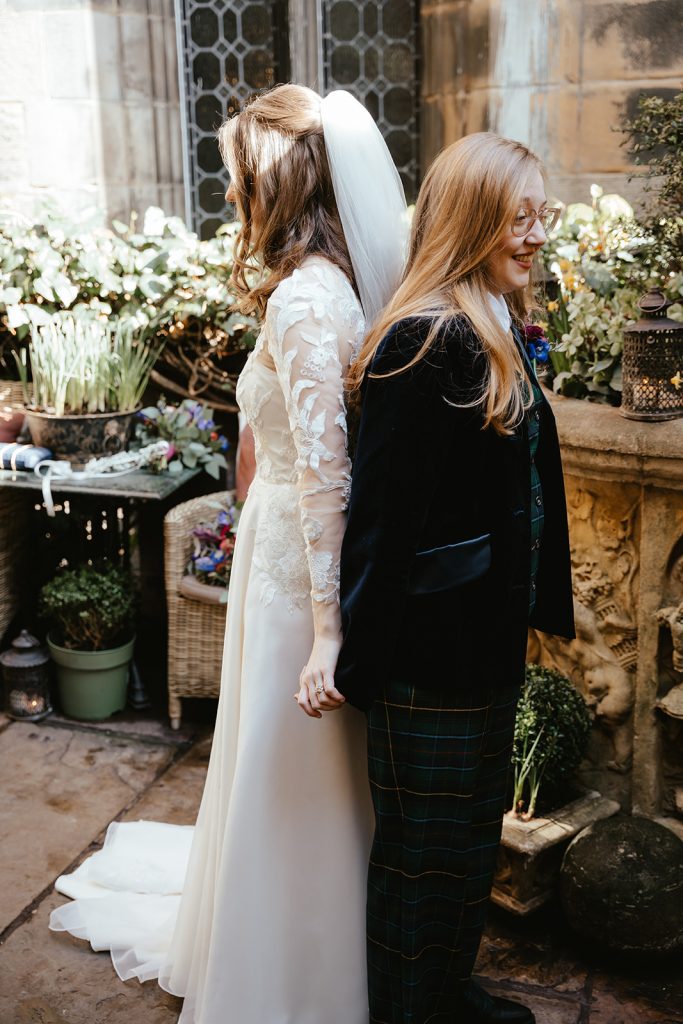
x=499 y=308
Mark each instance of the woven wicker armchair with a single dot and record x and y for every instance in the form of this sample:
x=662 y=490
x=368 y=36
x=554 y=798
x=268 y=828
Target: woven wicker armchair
x=195 y=628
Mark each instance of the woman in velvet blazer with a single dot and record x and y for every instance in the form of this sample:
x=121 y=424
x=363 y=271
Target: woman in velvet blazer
x=456 y=542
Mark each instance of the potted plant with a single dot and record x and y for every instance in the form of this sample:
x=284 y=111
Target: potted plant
x=12 y=411
x=92 y=640
x=210 y=564
x=548 y=806
x=152 y=272
x=194 y=439
x=87 y=381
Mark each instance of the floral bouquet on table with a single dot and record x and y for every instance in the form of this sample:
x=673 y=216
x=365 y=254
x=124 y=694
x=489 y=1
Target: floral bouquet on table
x=214 y=546
x=194 y=439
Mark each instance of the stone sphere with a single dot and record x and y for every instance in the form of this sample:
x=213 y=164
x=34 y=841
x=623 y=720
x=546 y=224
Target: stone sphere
x=621 y=886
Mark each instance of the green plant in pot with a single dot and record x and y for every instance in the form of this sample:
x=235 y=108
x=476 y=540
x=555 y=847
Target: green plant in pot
x=88 y=377
x=551 y=735
x=92 y=640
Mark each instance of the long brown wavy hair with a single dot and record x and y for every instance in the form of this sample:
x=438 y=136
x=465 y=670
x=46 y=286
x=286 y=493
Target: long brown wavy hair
x=274 y=151
x=467 y=202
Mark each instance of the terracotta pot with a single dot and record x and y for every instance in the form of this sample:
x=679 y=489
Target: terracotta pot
x=77 y=439
x=11 y=411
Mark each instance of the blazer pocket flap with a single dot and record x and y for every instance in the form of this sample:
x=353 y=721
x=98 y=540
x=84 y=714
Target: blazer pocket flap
x=450 y=566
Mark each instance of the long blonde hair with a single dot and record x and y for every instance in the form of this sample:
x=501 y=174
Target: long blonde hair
x=274 y=151
x=467 y=202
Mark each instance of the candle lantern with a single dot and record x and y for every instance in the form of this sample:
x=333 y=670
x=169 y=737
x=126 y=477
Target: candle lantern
x=26 y=674
x=653 y=363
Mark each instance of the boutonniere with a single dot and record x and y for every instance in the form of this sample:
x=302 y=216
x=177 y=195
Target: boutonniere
x=537 y=345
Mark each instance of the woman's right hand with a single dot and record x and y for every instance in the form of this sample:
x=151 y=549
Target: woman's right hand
x=317 y=692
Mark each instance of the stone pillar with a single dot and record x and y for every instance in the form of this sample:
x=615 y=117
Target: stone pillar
x=555 y=74
x=89 y=105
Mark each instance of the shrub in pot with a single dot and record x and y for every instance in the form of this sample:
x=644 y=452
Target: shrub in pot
x=92 y=639
x=548 y=808
x=551 y=735
x=87 y=380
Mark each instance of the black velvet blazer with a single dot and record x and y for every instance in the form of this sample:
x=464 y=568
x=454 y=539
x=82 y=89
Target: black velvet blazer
x=435 y=563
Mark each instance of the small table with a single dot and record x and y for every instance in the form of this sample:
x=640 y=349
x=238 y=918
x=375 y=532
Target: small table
x=141 y=484
x=138 y=486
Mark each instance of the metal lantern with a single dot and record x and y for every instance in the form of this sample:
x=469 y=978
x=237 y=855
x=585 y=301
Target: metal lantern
x=26 y=674
x=653 y=363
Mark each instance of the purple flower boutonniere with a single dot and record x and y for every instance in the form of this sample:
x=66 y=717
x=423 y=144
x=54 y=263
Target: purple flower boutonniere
x=537 y=345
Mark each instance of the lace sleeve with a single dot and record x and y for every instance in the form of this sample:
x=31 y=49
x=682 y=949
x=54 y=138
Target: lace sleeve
x=316 y=325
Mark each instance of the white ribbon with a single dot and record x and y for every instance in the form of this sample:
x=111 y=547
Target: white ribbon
x=108 y=465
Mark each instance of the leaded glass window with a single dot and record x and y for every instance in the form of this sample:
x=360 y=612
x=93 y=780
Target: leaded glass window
x=230 y=50
x=371 y=49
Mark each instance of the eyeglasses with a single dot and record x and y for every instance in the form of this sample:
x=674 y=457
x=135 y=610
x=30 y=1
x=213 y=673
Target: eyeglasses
x=525 y=219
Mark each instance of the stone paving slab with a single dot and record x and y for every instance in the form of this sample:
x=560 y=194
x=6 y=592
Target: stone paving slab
x=64 y=783
x=50 y=978
x=175 y=797
x=144 y=725
x=61 y=788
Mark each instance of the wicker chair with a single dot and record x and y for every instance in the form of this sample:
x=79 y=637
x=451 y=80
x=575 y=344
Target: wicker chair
x=195 y=627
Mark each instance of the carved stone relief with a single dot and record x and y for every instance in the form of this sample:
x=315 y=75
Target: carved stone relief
x=601 y=661
x=670 y=685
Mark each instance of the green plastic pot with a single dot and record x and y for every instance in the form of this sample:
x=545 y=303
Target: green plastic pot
x=92 y=684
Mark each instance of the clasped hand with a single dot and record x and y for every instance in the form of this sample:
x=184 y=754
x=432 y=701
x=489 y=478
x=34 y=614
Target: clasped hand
x=317 y=692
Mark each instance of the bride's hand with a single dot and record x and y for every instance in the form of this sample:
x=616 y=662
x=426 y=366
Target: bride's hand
x=317 y=692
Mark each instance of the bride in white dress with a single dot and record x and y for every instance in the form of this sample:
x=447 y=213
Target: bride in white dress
x=270 y=928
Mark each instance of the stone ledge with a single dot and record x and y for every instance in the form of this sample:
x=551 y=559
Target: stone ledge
x=534 y=836
x=597 y=438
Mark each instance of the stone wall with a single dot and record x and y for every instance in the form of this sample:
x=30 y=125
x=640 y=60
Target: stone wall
x=556 y=74
x=89 y=110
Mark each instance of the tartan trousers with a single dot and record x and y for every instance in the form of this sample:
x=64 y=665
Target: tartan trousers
x=438 y=766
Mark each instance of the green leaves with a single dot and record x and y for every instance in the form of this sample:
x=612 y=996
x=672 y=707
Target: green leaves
x=86 y=365
x=551 y=734
x=159 y=276
x=92 y=607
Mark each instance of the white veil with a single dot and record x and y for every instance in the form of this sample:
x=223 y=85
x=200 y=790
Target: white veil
x=370 y=199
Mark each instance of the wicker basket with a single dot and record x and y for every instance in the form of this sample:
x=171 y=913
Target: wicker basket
x=195 y=628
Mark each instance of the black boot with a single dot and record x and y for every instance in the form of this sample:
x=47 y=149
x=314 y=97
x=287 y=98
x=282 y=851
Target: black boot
x=478 y=1007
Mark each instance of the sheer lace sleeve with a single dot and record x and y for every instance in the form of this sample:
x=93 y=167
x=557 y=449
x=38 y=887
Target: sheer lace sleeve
x=315 y=329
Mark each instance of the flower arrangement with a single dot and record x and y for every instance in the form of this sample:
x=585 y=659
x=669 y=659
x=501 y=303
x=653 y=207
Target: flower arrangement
x=551 y=734
x=214 y=545
x=591 y=254
x=604 y=258
x=194 y=439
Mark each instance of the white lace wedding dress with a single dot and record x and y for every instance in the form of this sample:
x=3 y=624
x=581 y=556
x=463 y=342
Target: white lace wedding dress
x=270 y=928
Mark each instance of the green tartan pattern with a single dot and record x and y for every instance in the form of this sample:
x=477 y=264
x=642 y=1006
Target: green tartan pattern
x=438 y=775
x=536 y=492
